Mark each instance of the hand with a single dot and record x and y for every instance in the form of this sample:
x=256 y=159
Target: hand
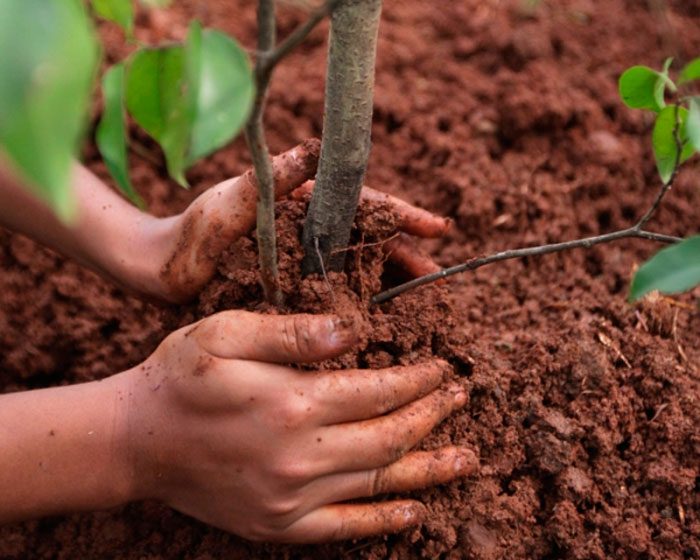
x=221 y=433
x=173 y=258
x=227 y=211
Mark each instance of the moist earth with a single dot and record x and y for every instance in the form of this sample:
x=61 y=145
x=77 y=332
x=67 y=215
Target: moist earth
x=504 y=116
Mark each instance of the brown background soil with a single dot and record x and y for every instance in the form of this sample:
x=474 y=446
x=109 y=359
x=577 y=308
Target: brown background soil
x=584 y=408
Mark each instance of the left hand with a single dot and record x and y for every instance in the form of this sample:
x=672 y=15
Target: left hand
x=227 y=211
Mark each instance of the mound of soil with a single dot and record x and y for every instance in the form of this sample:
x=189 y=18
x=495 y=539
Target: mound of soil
x=503 y=116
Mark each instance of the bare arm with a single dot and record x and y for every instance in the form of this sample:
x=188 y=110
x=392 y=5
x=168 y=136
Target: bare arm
x=109 y=235
x=173 y=258
x=60 y=451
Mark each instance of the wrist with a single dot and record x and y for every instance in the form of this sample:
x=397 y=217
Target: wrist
x=143 y=443
x=138 y=255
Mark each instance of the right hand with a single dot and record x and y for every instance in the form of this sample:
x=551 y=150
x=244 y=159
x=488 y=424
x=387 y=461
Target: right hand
x=219 y=431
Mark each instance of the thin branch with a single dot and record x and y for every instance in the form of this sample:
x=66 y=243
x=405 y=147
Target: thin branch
x=262 y=162
x=676 y=165
x=272 y=58
x=475 y=263
x=268 y=57
x=636 y=231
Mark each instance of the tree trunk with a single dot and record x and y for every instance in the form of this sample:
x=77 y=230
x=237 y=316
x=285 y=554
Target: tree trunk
x=346 y=134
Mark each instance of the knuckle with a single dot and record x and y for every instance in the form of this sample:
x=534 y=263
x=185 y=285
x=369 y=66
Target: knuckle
x=291 y=472
x=278 y=510
x=378 y=481
x=294 y=414
x=296 y=334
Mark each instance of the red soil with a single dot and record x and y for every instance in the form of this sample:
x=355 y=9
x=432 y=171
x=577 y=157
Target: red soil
x=583 y=408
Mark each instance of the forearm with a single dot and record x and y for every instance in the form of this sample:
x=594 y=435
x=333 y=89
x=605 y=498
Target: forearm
x=62 y=450
x=109 y=235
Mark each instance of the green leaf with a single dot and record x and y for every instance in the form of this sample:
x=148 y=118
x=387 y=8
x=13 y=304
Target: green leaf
x=664 y=141
x=672 y=270
x=192 y=99
x=643 y=88
x=48 y=64
x=118 y=11
x=225 y=96
x=111 y=133
x=691 y=71
x=156 y=97
x=693 y=123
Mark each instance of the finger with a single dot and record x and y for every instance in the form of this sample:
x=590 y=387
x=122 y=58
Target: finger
x=378 y=442
x=420 y=469
x=275 y=338
x=339 y=522
x=354 y=395
x=412 y=220
x=239 y=196
x=404 y=254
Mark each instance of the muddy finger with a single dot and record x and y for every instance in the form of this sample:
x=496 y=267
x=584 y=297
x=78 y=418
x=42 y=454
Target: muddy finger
x=354 y=521
x=353 y=395
x=381 y=441
x=412 y=220
x=416 y=470
x=404 y=254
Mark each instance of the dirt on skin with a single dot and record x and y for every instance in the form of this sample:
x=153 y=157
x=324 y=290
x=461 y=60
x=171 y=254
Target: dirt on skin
x=583 y=408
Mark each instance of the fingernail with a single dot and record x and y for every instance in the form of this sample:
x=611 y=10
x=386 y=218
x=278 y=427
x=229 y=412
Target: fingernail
x=413 y=513
x=465 y=463
x=460 y=395
x=342 y=331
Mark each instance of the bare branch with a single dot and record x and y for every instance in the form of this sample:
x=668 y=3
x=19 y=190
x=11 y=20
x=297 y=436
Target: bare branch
x=268 y=57
x=272 y=58
x=475 y=263
x=262 y=162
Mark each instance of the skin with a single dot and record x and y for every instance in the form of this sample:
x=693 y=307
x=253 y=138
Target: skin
x=214 y=423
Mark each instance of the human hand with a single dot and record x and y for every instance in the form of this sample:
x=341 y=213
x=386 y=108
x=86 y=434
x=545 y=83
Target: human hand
x=220 y=432
x=193 y=241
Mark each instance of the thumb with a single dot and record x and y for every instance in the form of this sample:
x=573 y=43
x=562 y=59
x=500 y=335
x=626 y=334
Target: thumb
x=283 y=339
x=235 y=201
x=221 y=215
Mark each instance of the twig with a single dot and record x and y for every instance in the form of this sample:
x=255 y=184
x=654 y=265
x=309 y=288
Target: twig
x=475 y=263
x=262 y=162
x=271 y=58
x=268 y=57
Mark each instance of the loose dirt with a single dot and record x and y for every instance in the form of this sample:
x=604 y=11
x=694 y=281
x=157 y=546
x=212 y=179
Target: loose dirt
x=584 y=409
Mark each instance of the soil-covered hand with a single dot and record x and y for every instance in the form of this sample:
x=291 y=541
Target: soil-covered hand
x=173 y=258
x=413 y=221
x=219 y=430
x=227 y=211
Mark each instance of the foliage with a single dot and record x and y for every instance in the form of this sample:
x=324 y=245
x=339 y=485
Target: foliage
x=671 y=270
x=192 y=98
x=49 y=56
x=675 y=138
